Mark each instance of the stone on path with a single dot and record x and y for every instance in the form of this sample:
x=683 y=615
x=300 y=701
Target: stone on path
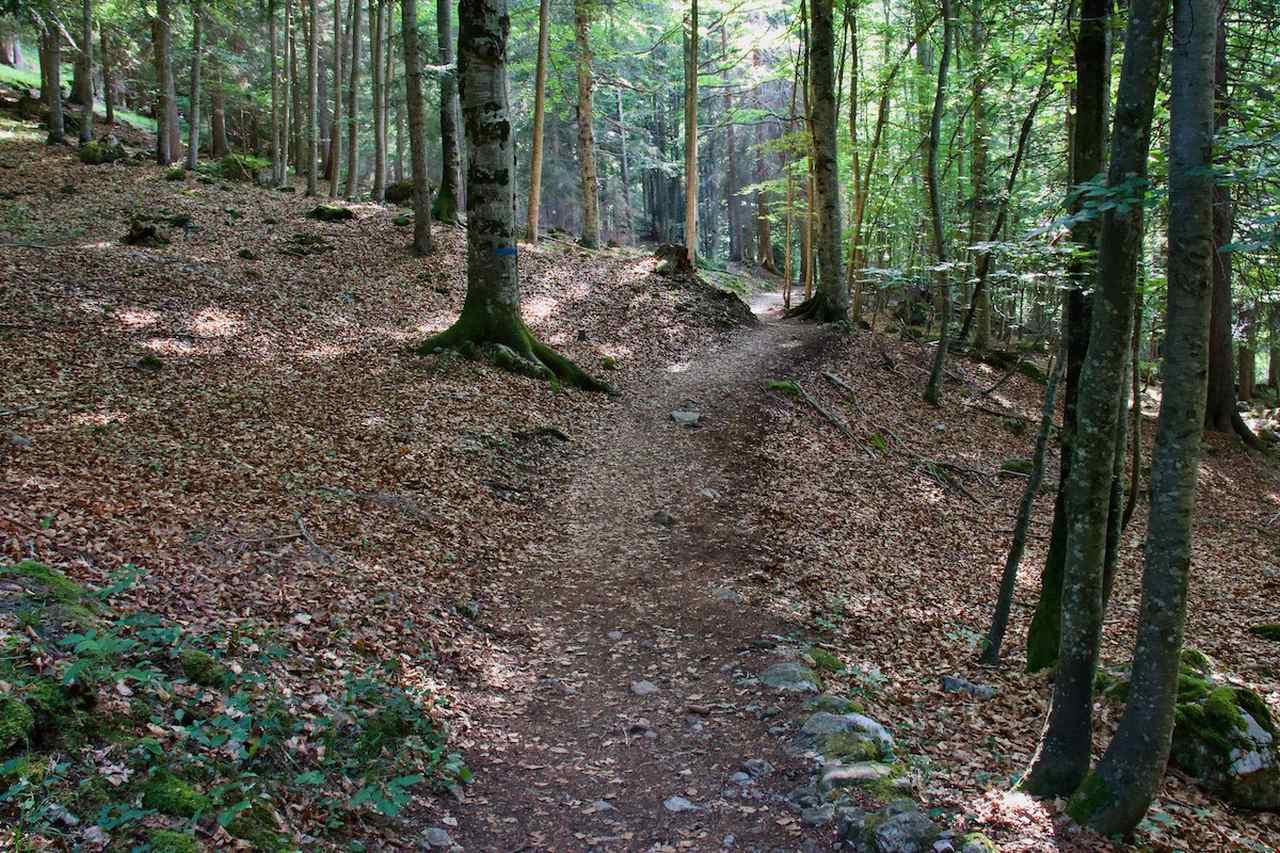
x=790 y=676
x=956 y=684
x=680 y=804
x=855 y=775
x=643 y=688
x=436 y=838
x=686 y=417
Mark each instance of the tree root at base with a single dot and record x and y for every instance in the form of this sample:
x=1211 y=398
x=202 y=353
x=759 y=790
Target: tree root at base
x=818 y=309
x=515 y=350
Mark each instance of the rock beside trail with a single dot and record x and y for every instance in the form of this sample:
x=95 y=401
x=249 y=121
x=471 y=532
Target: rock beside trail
x=857 y=775
x=899 y=827
x=680 y=804
x=436 y=838
x=956 y=684
x=686 y=417
x=643 y=688
x=846 y=736
x=790 y=676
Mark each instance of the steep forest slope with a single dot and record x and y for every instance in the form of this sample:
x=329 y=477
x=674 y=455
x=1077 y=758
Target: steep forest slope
x=236 y=413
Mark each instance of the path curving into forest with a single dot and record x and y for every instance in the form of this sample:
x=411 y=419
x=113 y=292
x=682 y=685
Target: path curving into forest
x=646 y=586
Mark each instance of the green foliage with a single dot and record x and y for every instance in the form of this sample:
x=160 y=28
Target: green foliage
x=787 y=386
x=825 y=660
x=1267 y=631
x=175 y=173
x=241 y=744
x=169 y=841
x=241 y=167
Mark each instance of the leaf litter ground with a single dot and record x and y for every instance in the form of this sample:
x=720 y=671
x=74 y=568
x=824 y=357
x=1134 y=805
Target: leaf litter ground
x=252 y=432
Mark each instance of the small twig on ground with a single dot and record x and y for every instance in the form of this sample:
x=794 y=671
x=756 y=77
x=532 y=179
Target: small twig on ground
x=17 y=411
x=1003 y=379
x=840 y=383
x=306 y=534
x=835 y=419
x=1000 y=413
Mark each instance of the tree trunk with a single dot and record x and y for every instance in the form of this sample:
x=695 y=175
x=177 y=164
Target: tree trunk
x=197 y=47
x=296 y=132
x=353 y=149
x=491 y=311
x=51 y=39
x=978 y=220
x=1115 y=797
x=275 y=95
x=159 y=35
x=376 y=42
x=10 y=49
x=933 y=391
x=539 y=119
x=86 y=63
x=626 y=170
x=829 y=302
x=1062 y=758
x=108 y=79
x=1087 y=151
x=451 y=196
x=218 y=123
x=417 y=135
x=335 y=135
x=1273 y=350
x=286 y=93
x=731 y=178
x=586 y=135
x=313 y=96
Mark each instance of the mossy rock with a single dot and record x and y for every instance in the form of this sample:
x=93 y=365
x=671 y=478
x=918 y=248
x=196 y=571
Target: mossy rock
x=242 y=167
x=608 y=363
x=403 y=220
x=168 y=794
x=175 y=173
x=17 y=723
x=1268 y=631
x=445 y=208
x=400 y=192
x=52 y=603
x=97 y=153
x=257 y=825
x=203 y=668
x=1016 y=466
x=331 y=213
x=171 y=841
x=977 y=842
x=850 y=747
x=825 y=660
x=1227 y=741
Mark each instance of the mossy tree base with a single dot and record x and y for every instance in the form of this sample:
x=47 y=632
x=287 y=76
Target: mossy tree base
x=513 y=347
x=819 y=308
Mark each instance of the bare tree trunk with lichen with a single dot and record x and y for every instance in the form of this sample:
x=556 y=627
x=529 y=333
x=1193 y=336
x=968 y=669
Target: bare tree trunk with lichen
x=586 y=136
x=451 y=189
x=417 y=135
x=1062 y=757
x=539 y=119
x=829 y=302
x=1115 y=797
x=491 y=310
x=933 y=390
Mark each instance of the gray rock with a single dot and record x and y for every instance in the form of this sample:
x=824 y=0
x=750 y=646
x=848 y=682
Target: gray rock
x=710 y=493
x=805 y=797
x=728 y=595
x=790 y=676
x=614 y=635
x=643 y=688
x=728 y=840
x=856 y=775
x=686 y=417
x=680 y=804
x=956 y=684
x=436 y=838
x=757 y=767
x=902 y=832
x=818 y=815
x=19 y=440
x=831 y=702
x=1246 y=773
x=664 y=518
x=846 y=735
x=603 y=806
x=741 y=778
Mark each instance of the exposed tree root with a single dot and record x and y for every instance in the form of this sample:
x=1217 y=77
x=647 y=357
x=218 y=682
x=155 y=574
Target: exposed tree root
x=513 y=347
x=818 y=308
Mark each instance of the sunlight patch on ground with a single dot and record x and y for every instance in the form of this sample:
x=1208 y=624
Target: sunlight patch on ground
x=213 y=323
x=679 y=367
x=93 y=419
x=1012 y=810
x=169 y=346
x=324 y=352
x=137 y=318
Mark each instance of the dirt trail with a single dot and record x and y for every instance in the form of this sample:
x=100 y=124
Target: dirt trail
x=647 y=582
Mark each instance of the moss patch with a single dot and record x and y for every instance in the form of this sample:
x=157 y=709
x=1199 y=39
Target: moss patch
x=16 y=723
x=331 y=213
x=203 y=668
x=1252 y=704
x=257 y=825
x=825 y=660
x=977 y=842
x=1092 y=797
x=850 y=746
x=169 y=841
x=170 y=795
x=1268 y=631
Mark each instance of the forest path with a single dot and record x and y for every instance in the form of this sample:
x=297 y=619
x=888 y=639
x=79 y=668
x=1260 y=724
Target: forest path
x=645 y=580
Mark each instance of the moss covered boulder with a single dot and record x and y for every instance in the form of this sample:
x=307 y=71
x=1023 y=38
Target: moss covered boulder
x=168 y=794
x=331 y=213
x=99 y=152
x=1223 y=736
x=401 y=192
x=242 y=167
x=203 y=668
x=17 y=722
x=257 y=825
x=1268 y=631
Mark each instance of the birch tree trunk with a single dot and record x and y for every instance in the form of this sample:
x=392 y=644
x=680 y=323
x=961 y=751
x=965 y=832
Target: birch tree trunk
x=933 y=391
x=86 y=61
x=313 y=96
x=451 y=195
x=353 y=149
x=335 y=135
x=586 y=135
x=376 y=42
x=691 y=136
x=417 y=135
x=539 y=119
x=491 y=310
x=1062 y=757
x=197 y=47
x=1115 y=797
